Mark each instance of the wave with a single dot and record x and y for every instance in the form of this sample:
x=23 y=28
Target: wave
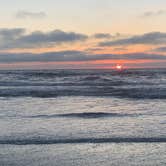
x=40 y=141
x=84 y=115
x=119 y=92
x=100 y=82
x=133 y=84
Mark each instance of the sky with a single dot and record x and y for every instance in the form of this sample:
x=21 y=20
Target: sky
x=44 y=34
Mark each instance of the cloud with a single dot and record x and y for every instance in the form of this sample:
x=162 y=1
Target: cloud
x=26 y=14
x=153 y=13
x=120 y=49
x=94 y=49
x=107 y=36
x=102 y=35
x=18 y=38
x=147 y=38
x=71 y=55
x=160 y=49
x=11 y=32
x=9 y=35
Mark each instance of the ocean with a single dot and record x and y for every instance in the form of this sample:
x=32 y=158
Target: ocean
x=83 y=117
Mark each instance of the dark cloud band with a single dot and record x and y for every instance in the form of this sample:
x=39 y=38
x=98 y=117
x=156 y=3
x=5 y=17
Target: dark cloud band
x=69 y=56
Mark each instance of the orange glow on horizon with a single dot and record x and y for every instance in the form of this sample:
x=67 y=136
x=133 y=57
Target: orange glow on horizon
x=102 y=64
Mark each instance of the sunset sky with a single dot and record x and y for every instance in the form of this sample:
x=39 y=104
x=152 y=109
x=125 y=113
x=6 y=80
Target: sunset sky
x=44 y=34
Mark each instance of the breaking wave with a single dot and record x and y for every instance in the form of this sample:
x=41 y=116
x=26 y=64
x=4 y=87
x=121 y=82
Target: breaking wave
x=40 y=141
x=134 y=84
x=47 y=92
x=85 y=115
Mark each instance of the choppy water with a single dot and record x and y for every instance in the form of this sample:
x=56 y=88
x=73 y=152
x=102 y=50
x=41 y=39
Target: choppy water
x=83 y=117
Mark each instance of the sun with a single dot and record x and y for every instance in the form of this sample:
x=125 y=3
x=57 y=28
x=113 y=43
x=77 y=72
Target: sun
x=118 y=67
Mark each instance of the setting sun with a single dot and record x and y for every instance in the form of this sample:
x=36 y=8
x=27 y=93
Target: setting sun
x=118 y=67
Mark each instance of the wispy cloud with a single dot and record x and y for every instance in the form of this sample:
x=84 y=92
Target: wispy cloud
x=120 y=49
x=153 y=13
x=102 y=35
x=22 y=14
x=160 y=49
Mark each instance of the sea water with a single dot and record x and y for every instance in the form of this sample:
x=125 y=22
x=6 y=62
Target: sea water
x=83 y=117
